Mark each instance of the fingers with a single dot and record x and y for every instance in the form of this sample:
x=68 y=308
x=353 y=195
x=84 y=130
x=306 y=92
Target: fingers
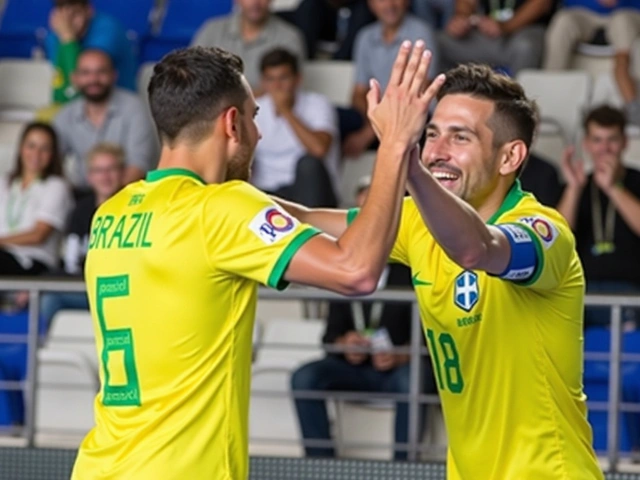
x=414 y=63
x=421 y=78
x=432 y=90
x=373 y=95
x=401 y=62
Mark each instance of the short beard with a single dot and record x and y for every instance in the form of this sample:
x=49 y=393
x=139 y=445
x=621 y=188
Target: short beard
x=98 y=97
x=239 y=166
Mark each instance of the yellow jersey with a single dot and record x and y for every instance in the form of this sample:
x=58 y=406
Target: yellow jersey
x=172 y=274
x=506 y=355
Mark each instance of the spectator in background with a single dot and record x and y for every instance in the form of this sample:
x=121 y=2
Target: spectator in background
x=251 y=33
x=105 y=173
x=34 y=204
x=74 y=27
x=579 y=21
x=373 y=325
x=375 y=50
x=502 y=33
x=540 y=177
x=603 y=210
x=298 y=156
x=332 y=20
x=436 y=13
x=104 y=113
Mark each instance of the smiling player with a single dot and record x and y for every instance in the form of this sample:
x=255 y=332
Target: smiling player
x=500 y=288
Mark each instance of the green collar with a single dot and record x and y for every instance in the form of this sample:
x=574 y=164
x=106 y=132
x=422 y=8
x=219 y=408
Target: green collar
x=514 y=195
x=155 y=175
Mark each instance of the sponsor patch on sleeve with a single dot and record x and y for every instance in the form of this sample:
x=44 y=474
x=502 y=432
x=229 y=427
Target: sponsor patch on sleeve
x=272 y=224
x=544 y=228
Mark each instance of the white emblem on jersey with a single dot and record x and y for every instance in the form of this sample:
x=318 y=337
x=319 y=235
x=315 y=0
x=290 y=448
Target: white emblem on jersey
x=272 y=224
x=518 y=234
x=545 y=229
x=466 y=293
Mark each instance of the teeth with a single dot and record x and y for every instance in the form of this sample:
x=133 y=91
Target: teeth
x=444 y=176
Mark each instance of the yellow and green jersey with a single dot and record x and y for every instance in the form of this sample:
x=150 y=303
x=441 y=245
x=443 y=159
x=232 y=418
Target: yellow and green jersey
x=172 y=274
x=506 y=355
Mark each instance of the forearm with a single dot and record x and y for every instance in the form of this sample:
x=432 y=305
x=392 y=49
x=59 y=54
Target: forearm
x=379 y=217
x=568 y=205
x=527 y=14
x=32 y=237
x=455 y=225
x=331 y=221
x=316 y=143
x=628 y=206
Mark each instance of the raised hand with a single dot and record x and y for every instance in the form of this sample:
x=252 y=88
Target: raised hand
x=401 y=115
x=573 y=169
x=606 y=172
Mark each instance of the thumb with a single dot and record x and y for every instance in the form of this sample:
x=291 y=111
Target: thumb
x=373 y=95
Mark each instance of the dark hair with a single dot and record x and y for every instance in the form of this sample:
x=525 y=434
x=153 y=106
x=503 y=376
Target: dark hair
x=104 y=53
x=515 y=116
x=606 y=116
x=190 y=88
x=278 y=57
x=55 y=165
x=66 y=3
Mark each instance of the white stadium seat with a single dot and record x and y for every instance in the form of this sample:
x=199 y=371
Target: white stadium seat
x=25 y=87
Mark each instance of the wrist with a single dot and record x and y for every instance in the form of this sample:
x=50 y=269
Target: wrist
x=391 y=147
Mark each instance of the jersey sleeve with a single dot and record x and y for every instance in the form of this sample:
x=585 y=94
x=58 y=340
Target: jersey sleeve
x=554 y=244
x=400 y=251
x=248 y=235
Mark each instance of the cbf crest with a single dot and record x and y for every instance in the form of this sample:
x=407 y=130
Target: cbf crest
x=467 y=292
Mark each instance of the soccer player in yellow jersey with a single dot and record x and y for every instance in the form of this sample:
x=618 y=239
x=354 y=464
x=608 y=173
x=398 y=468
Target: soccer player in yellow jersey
x=174 y=263
x=499 y=285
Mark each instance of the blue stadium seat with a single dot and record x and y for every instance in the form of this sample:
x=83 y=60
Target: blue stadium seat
x=134 y=15
x=596 y=386
x=181 y=21
x=21 y=22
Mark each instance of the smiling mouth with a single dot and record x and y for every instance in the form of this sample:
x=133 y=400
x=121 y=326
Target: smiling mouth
x=442 y=176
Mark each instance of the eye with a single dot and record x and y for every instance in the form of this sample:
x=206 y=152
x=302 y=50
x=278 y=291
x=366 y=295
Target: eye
x=458 y=137
x=432 y=134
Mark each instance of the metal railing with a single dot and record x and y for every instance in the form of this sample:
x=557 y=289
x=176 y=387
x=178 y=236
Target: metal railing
x=416 y=349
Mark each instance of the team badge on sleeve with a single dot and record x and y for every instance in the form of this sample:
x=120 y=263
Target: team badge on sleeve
x=272 y=224
x=544 y=228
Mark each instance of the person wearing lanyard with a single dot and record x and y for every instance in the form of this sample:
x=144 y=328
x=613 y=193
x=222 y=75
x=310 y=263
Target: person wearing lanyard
x=503 y=33
x=34 y=203
x=375 y=327
x=603 y=209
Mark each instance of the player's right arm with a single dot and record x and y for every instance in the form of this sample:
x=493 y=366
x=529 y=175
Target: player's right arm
x=330 y=220
x=352 y=263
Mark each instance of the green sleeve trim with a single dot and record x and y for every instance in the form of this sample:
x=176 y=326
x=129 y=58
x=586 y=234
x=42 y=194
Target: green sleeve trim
x=539 y=251
x=275 y=278
x=66 y=60
x=352 y=213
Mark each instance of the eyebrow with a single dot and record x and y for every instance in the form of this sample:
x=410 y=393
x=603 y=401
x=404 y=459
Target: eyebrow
x=454 y=129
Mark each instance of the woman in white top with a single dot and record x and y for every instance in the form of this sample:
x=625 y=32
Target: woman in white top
x=34 y=203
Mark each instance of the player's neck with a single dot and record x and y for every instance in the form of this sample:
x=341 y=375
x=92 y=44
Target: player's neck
x=492 y=202
x=204 y=160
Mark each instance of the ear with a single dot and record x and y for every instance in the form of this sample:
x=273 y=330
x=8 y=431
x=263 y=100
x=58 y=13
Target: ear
x=513 y=155
x=230 y=120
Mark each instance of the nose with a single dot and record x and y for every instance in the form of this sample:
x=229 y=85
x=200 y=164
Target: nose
x=437 y=150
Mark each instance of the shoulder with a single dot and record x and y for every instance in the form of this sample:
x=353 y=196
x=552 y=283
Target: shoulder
x=127 y=99
x=367 y=33
x=548 y=224
x=67 y=113
x=56 y=183
x=104 y=24
x=283 y=28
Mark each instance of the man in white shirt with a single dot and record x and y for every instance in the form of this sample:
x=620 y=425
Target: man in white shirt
x=298 y=156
